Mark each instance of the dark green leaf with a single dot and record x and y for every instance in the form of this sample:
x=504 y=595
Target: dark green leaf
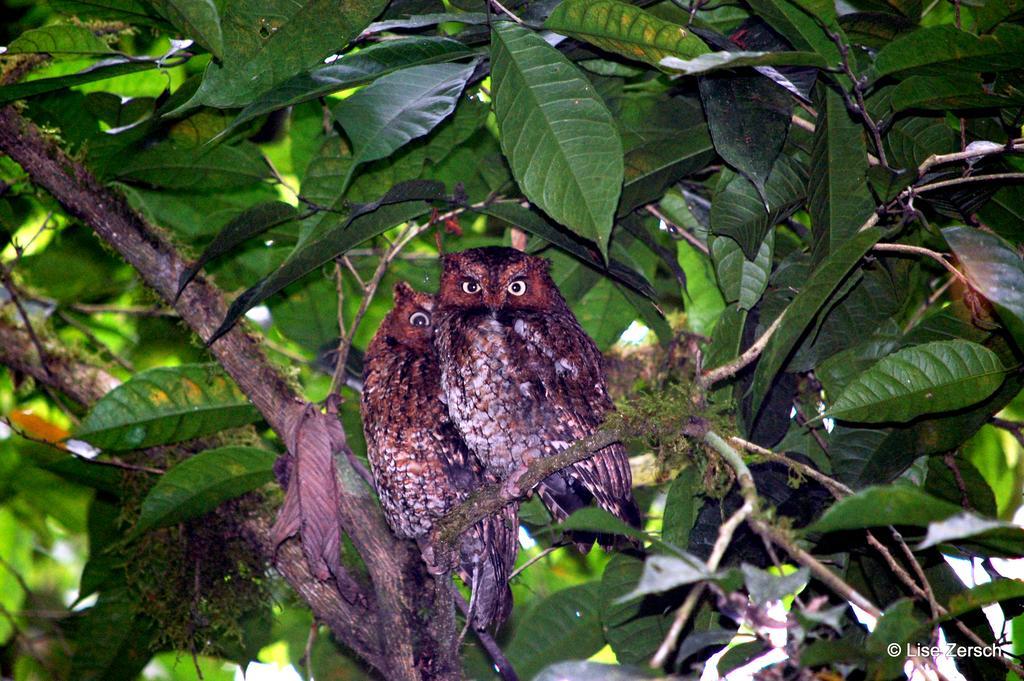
x=335 y=236
x=923 y=379
x=737 y=210
x=880 y=506
x=264 y=49
x=801 y=312
x=199 y=484
x=60 y=39
x=837 y=191
x=113 y=639
x=624 y=29
x=939 y=50
x=748 y=116
x=738 y=278
x=164 y=405
x=682 y=504
x=564 y=625
x=804 y=30
x=351 y=70
x=984 y=594
x=198 y=19
x=102 y=70
x=399 y=107
x=551 y=117
x=952 y=92
x=911 y=140
x=251 y=222
x=968 y=525
x=664 y=573
x=633 y=630
x=895 y=631
x=174 y=167
x=764 y=586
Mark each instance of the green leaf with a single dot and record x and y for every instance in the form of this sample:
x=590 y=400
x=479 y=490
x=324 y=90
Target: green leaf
x=895 y=630
x=199 y=484
x=738 y=278
x=983 y=595
x=737 y=210
x=59 y=40
x=802 y=311
x=624 y=29
x=633 y=630
x=970 y=525
x=880 y=506
x=107 y=68
x=995 y=270
x=804 y=30
x=351 y=70
x=682 y=503
x=714 y=61
x=837 y=192
x=664 y=573
x=952 y=92
x=565 y=625
x=113 y=638
x=558 y=136
x=911 y=140
x=249 y=223
x=198 y=19
x=939 y=50
x=334 y=236
x=264 y=48
x=923 y=379
x=164 y=405
x=397 y=108
x=171 y=166
x=701 y=299
x=748 y=116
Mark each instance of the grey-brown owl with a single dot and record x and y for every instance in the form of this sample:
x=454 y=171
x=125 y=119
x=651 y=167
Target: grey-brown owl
x=420 y=464
x=522 y=378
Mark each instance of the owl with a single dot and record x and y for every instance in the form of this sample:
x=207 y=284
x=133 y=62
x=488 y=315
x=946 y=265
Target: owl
x=421 y=466
x=523 y=380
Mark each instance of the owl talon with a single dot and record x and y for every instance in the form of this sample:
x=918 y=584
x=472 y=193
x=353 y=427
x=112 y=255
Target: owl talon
x=510 y=486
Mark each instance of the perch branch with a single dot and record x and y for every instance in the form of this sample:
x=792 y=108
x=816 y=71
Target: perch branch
x=927 y=252
x=712 y=376
x=395 y=568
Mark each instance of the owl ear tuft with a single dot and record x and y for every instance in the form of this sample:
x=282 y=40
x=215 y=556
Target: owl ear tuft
x=403 y=291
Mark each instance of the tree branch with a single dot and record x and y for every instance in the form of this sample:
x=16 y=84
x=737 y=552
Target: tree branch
x=398 y=575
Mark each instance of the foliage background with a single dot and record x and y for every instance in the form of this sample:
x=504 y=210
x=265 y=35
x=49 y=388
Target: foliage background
x=684 y=204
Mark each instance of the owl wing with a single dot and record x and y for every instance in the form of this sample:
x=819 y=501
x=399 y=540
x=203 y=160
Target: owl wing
x=564 y=369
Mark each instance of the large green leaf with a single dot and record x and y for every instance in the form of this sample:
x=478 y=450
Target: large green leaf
x=737 y=210
x=353 y=69
x=558 y=136
x=198 y=19
x=741 y=279
x=880 y=506
x=397 y=108
x=923 y=379
x=164 y=405
x=995 y=270
x=264 y=46
x=802 y=311
x=334 y=236
x=107 y=68
x=624 y=29
x=748 y=116
x=565 y=625
x=199 y=484
x=804 y=29
x=938 y=50
x=172 y=166
x=61 y=39
x=837 y=190
x=953 y=91
x=633 y=630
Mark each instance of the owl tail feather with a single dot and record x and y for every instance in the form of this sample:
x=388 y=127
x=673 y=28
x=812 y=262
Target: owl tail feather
x=562 y=496
x=488 y=553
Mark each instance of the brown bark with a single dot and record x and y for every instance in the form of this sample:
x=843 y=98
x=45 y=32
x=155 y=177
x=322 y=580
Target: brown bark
x=398 y=634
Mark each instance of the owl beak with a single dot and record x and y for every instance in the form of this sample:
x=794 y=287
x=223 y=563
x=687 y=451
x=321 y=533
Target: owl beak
x=492 y=301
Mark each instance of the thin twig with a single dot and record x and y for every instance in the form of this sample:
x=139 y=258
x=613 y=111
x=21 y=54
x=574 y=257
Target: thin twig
x=712 y=376
x=507 y=12
x=1016 y=146
x=131 y=310
x=488 y=643
x=836 y=488
x=858 y=93
x=88 y=333
x=964 y=180
x=113 y=463
x=44 y=358
x=522 y=568
x=725 y=535
x=677 y=230
x=927 y=252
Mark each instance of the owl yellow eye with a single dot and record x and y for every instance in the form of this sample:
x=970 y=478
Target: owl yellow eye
x=419 y=319
x=470 y=286
x=517 y=287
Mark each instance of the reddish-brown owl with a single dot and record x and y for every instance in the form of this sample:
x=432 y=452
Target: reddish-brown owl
x=523 y=380
x=420 y=464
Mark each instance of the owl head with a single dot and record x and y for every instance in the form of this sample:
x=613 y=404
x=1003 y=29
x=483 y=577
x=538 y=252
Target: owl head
x=409 y=322
x=497 y=279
